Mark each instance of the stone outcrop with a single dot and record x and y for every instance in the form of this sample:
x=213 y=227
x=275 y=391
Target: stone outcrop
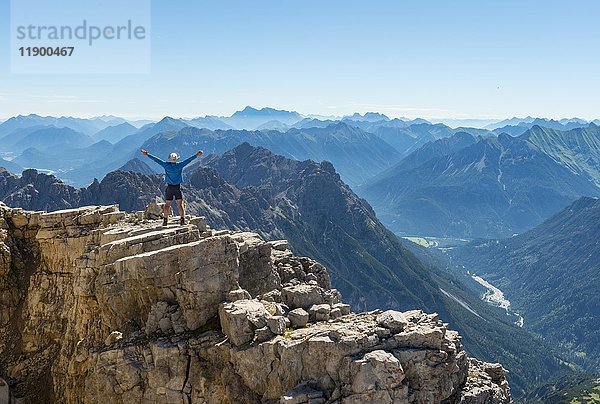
x=99 y=306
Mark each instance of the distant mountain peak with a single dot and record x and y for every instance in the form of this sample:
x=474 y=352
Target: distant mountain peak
x=504 y=138
x=369 y=116
x=137 y=166
x=251 y=118
x=537 y=127
x=169 y=123
x=248 y=110
x=168 y=119
x=246 y=147
x=341 y=124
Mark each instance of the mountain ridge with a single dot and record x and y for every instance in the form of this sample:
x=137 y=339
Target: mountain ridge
x=492 y=188
x=306 y=203
x=561 y=305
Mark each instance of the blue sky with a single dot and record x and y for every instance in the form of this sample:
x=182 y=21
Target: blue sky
x=431 y=59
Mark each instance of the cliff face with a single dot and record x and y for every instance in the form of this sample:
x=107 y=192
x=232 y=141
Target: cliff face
x=99 y=306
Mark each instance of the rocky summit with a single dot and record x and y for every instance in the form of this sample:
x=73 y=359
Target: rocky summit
x=102 y=306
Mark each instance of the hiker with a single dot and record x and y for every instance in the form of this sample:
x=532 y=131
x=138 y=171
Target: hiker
x=174 y=178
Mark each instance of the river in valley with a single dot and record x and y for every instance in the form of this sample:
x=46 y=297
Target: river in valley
x=496 y=297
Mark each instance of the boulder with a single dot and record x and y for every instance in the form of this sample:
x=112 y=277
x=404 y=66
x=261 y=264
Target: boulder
x=263 y=334
x=335 y=314
x=342 y=307
x=306 y=295
x=238 y=294
x=276 y=324
x=392 y=320
x=240 y=320
x=377 y=370
x=319 y=312
x=199 y=222
x=153 y=211
x=298 y=317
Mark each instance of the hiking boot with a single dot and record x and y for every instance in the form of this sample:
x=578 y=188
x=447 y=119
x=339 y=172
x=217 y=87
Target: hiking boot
x=182 y=221
x=165 y=222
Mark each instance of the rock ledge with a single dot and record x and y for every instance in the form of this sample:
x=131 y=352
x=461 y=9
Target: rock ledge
x=98 y=306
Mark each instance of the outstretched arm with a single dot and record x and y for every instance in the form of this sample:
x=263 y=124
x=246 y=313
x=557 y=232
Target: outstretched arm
x=156 y=159
x=190 y=159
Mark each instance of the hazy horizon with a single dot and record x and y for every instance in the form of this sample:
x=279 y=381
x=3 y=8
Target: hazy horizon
x=433 y=60
x=474 y=122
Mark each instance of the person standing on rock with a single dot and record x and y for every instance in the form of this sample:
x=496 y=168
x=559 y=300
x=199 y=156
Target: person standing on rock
x=173 y=177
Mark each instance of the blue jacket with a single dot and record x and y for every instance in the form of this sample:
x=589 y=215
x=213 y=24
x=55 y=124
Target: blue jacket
x=173 y=171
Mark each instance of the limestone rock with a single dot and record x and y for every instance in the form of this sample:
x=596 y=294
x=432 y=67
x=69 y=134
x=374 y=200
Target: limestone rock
x=153 y=211
x=298 y=317
x=257 y=274
x=306 y=295
x=165 y=318
x=342 y=307
x=281 y=309
x=392 y=320
x=263 y=334
x=378 y=375
x=280 y=245
x=319 y=312
x=5 y=255
x=240 y=320
x=238 y=294
x=335 y=314
x=111 y=308
x=276 y=324
x=486 y=384
x=200 y=223
x=303 y=269
x=335 y=355
x=302 y=393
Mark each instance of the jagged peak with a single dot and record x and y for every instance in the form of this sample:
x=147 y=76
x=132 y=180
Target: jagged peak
x=169 y=120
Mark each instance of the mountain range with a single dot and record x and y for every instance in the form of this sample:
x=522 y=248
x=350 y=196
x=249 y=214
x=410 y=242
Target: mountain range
x=250 y=188
x=551 y=275
x=56 y=144
x=356 y=154
x=384 y=159
x=528 y=122
x=577 y=149
x=486 y=187
x=114 y=134
x=285 y=175
x=252 y=118
x=85 y=126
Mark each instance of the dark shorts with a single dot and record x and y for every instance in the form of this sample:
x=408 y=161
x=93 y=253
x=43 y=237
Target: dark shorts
x=173 y=191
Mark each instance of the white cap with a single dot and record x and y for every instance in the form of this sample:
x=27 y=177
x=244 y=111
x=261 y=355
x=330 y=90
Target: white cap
x=173 y=157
